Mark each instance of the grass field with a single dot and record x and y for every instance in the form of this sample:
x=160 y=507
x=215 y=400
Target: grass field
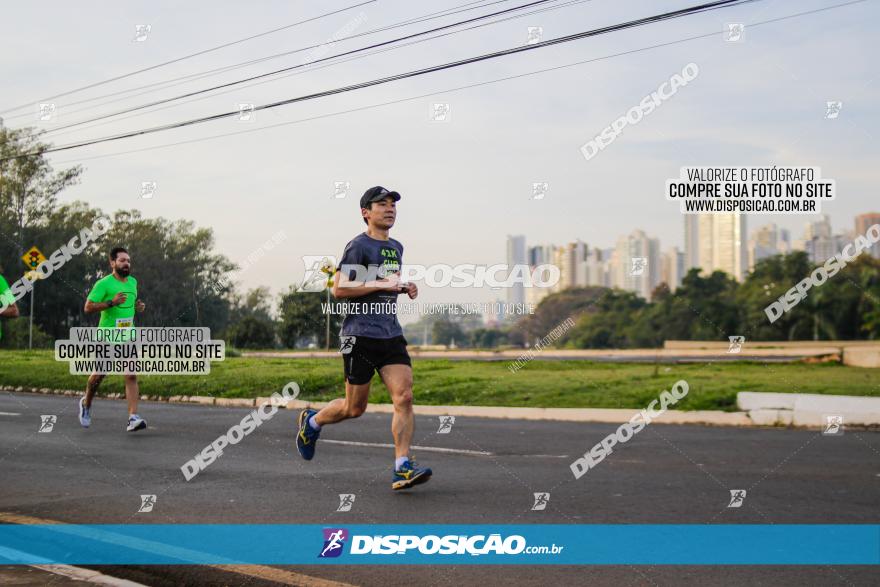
x=547 y=384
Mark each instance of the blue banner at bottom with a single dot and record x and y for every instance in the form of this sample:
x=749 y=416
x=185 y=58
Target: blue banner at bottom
x=283 y=544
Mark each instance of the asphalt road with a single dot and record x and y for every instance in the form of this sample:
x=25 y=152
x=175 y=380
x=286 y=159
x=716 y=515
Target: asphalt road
x=666 y=474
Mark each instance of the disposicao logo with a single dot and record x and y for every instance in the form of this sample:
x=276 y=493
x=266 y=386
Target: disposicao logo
x=334 y=541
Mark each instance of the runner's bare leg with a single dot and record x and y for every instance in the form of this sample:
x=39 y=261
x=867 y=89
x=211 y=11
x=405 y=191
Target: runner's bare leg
x=132 y=392
x=92 y=384
x=352 y=406
x=398 y=379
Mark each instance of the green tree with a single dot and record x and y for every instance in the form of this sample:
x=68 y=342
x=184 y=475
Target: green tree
x=446 y=330
x=771 y=279
x=251 y=332
x=29 y=188
x=256 y=302
x=16 y=335
x=707 y=304
x=606 y=326
x=658 y=321
x=302 y=317
x=555 y=308
x=251 y=323
x=868 y=305
x=487 y=338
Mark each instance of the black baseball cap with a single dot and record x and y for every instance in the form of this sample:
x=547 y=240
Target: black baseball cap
x=377 y=193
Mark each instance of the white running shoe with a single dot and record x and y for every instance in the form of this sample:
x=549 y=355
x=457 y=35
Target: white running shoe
x=85 y=414
x=135 y=422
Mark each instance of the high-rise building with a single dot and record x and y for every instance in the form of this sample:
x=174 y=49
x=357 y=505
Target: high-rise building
x=818 y=228
x=516 y=255
x=766 y=242
x=580 y=269
x=598 y=268
x=636 y=263
x=766 y=236
x=705 y=244
x=863 y=223
x=673 y=270
x=720 y=244
x=729 y=252
x=559 y=262
x=570 y=259
x=783 y=242
x=691 y=241
x=819 y=242
x=539 y=255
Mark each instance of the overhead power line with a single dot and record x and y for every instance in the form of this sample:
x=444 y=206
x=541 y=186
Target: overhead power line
x=190 y=56
x=188 y=78
x=331 y=64
x=750 y=25
x=301 y=65
x=494 y=55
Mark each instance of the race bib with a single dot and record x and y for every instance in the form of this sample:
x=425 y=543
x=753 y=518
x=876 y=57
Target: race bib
x=124 y=322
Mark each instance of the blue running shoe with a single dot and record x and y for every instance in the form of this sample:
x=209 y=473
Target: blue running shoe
x=307 y=436
x=408 y=475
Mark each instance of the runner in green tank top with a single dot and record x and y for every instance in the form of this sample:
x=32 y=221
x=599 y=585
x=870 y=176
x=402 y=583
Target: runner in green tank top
x=7 y=301
x=115 y=297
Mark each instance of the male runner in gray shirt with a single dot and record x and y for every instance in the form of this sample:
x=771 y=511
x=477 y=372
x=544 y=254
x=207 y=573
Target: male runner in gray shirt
x=371 y=339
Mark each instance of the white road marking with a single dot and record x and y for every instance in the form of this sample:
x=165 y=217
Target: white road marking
x=9 y=414
x=460 y=451
x=546 y=456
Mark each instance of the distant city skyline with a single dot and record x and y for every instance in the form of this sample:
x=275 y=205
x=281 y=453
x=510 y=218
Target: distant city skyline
x=639 y=263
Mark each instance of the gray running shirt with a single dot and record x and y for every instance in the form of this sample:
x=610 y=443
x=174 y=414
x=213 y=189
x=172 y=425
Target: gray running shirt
x=372 y=318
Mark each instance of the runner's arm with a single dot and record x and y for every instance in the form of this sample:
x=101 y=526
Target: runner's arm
x=350 y=266
x=92 y=301
x=92 y=307
x=343 y=287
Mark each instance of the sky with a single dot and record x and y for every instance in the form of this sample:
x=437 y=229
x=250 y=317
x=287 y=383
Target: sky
x=466 y=182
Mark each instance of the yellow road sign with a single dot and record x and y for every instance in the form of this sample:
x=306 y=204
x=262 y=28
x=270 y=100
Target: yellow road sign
x=33 y=258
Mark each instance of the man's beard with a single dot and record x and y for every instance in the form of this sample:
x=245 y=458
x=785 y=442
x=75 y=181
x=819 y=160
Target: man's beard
x=123 y=271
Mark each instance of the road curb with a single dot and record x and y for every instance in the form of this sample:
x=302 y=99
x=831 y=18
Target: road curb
x=808 y=409
x=605 y=415
x=791 y=410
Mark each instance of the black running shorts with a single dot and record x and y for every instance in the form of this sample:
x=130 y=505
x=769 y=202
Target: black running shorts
x=362 y=356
